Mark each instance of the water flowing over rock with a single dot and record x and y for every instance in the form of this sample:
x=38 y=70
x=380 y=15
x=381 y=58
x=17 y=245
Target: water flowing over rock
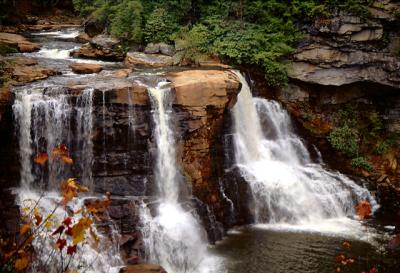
x=287 y=186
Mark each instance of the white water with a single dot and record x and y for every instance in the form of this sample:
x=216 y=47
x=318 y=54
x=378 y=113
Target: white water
x=287 y=187
x=44 y=121
x=173 y=238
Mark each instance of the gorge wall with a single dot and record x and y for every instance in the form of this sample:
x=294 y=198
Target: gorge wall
x=345 y=75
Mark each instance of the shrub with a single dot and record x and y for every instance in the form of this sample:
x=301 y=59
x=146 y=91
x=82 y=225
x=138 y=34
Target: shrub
x=192 y=45
x=160 y=26
x=127 y=22
x=362 y=163
x=345 y=140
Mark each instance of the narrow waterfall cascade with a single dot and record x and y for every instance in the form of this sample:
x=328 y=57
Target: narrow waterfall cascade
x=287 y=187
x=46 y=118
x=173 y=238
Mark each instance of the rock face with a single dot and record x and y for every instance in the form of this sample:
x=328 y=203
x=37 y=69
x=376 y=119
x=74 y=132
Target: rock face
x=19 y=42
x=201 y=102
x=101 y=47
x=347 y=49
x=85 y=68
x=159 y=48
x=148 y=60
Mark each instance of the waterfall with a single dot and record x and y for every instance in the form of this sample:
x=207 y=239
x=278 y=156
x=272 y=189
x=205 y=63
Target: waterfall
x=287 y=187
x=47 y=117
x=173 y=238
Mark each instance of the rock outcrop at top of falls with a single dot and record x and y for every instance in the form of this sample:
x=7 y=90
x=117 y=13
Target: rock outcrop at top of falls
x=346 y=49
x=102 y=47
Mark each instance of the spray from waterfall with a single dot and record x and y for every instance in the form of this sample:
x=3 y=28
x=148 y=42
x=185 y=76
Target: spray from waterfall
x=287 y=186
x=173 y=238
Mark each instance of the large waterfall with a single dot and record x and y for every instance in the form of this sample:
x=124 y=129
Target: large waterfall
x=287 y=187
x=174 y=238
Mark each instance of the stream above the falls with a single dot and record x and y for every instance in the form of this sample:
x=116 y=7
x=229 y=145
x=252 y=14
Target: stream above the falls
x=286 y=244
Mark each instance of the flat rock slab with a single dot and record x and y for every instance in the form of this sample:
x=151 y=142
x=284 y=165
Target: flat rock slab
x=143 y=268
x=148 y=60
x=19 y=42
x=86 y=68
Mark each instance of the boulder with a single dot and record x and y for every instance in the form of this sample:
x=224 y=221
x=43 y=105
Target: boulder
x=83 y=38
x=103 y=41
x=19 y=42
x=85 y=68
x=148 y=60
x=160 y=48
x=143 y=268
x=201 y=88
x=101 y=47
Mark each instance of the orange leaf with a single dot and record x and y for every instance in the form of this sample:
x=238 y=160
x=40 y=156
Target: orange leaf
x=338 y=269
x=364 y=210
x=79 y=230
x=67 y=160
x=25 y=228
x=37 y=216
x=61 y=150
x=41 y=158
x=21 y=264
x=94 y=235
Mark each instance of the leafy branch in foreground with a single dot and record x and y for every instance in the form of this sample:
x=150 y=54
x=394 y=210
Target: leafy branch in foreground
x=54 y=231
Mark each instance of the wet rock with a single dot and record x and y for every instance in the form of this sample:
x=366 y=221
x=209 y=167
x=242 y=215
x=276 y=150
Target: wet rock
x=147 y=60
x=86 y=68
x=19 y=42
x=29 y=74
x=83 y=38
x=143 y=268
x=101 y=47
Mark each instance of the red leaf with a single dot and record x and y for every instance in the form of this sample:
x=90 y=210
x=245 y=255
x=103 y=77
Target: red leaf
x=69 y=231
x=67 y=221
x=340 y=257
x=373 y=270
x=346 y=245
x=59 y=230
x=61 y=243
x=71 y=250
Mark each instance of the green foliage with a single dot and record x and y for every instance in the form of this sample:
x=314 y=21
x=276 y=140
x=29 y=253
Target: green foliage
x=127 y=21
x=192 y=45
x=362 y=163
x=160 y=26
x=383 y=147
x=252 y=32
x=345 y=140
x=376 y=123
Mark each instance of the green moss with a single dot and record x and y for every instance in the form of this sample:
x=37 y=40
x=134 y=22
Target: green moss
x=362 y=163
